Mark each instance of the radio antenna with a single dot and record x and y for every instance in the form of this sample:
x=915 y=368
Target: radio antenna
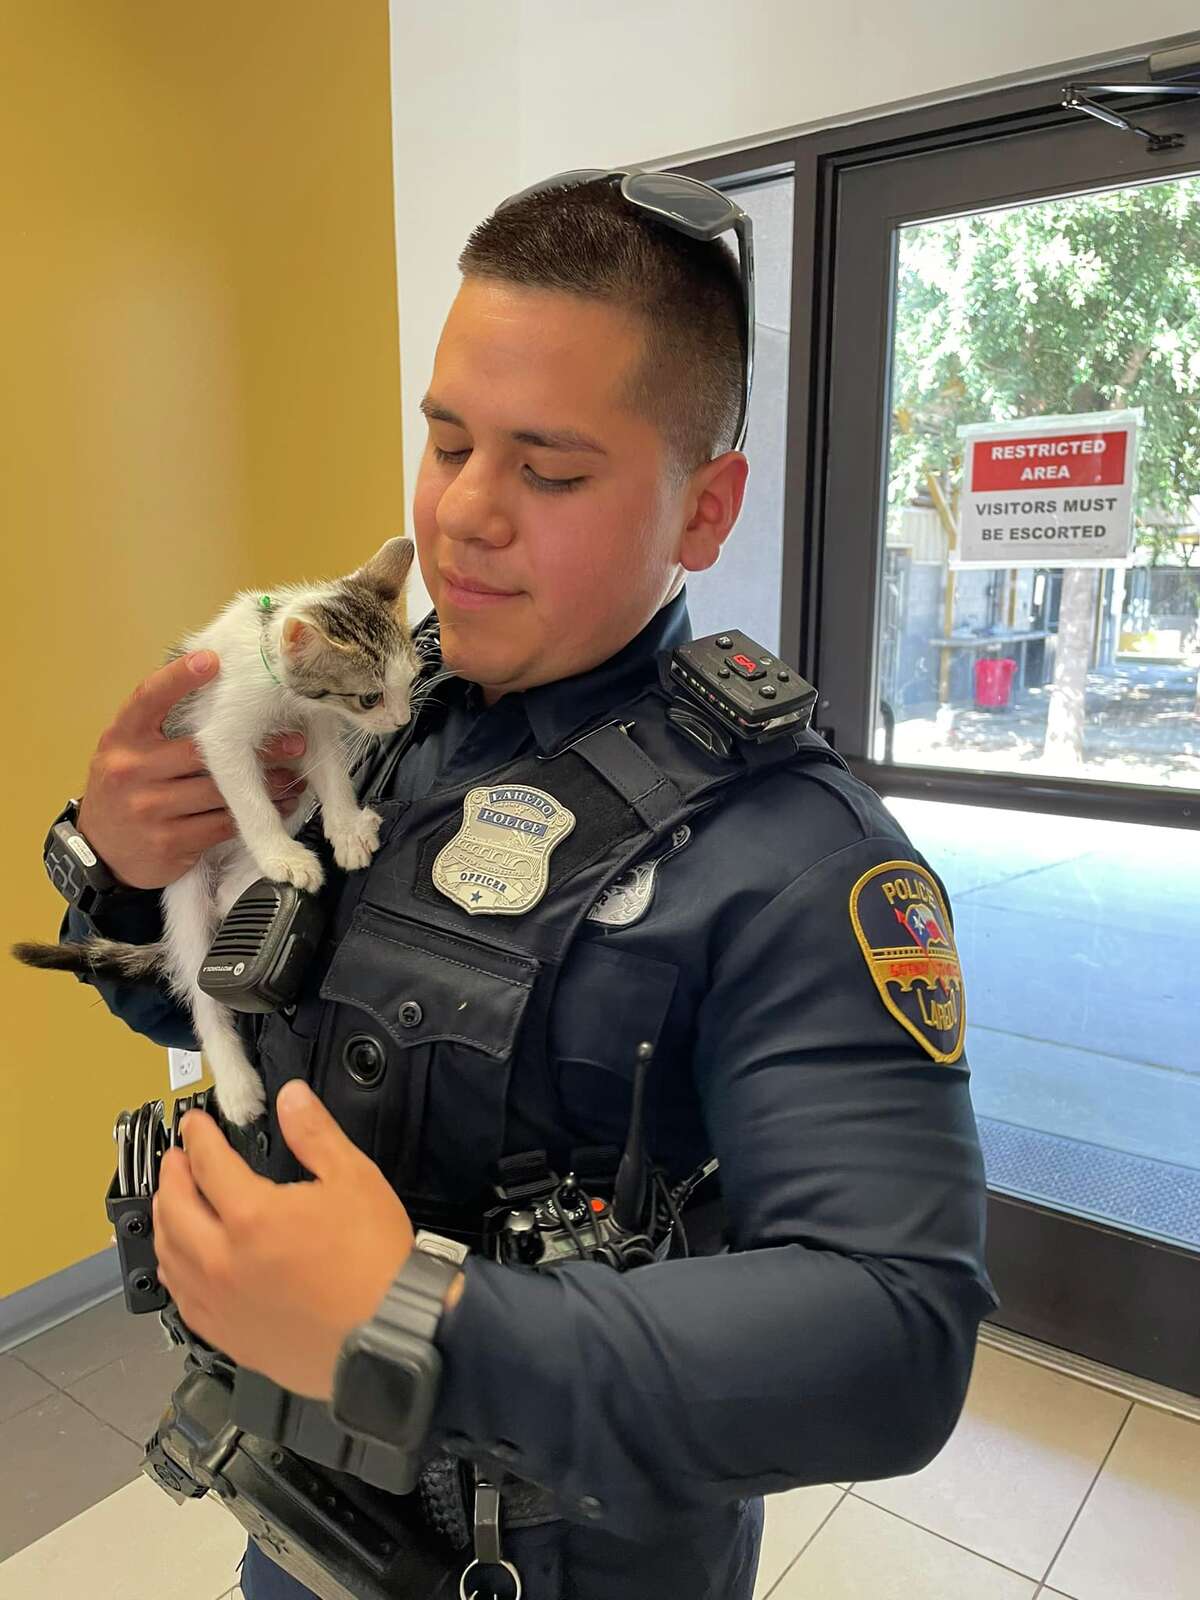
x=629 y=1194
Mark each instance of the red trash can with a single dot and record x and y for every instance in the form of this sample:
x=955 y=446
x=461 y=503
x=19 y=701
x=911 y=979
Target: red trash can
x=993 y=681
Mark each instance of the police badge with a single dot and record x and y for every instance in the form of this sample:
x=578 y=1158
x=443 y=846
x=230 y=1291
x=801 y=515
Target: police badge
x=499 y=860
x=903 y=929
x=627 y=899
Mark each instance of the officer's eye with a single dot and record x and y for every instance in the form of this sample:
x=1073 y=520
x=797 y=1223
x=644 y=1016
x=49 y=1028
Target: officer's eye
x=552 y=485
x=534 y=479
x=366 y=701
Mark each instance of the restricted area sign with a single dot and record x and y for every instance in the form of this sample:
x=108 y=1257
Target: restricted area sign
x=1048 y=492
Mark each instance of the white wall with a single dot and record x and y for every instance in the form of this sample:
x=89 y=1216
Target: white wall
x=490 y=94
x=630 y=80
x=455 y=133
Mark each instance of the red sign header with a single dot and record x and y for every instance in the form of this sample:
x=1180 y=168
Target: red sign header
x=1066 y=461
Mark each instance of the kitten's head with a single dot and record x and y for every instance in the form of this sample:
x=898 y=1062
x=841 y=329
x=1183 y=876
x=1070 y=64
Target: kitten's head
x=348 y=646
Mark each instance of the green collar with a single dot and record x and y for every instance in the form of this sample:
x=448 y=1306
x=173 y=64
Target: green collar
x=266 y=606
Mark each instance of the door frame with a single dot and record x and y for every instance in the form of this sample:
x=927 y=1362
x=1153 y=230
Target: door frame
x=1083 y=1285
x=818 y=162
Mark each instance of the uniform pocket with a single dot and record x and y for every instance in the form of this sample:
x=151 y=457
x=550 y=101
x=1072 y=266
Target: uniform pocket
x=607 y=1003
x=423 y=1041
x=425 y=986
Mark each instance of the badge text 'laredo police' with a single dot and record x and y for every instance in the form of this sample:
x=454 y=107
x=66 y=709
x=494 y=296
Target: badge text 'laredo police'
x=499 y=860
x=903 y=927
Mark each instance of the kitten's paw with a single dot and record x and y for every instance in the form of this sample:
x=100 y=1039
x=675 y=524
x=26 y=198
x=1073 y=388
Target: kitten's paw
x=296 y=865
x=241 y=1095
x=354 y=846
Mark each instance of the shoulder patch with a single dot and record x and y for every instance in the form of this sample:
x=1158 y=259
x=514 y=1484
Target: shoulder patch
x=903 y=929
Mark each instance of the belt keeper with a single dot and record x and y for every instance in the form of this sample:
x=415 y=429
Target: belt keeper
x=487 y=1544
x=487 y=1523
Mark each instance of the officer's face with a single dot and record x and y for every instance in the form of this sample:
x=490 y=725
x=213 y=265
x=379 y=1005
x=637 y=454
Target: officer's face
x=579 y=541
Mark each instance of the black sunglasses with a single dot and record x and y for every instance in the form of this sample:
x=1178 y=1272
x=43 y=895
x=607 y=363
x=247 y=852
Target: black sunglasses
x=691 y=207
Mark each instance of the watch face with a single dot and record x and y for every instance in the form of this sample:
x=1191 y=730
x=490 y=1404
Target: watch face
x=388 y=1395
x=384 y=1395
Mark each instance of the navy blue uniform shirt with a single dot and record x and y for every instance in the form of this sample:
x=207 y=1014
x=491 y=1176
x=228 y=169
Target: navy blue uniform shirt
x=834 y=1340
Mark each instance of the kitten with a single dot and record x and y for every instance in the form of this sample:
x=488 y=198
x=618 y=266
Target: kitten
x=319 y=659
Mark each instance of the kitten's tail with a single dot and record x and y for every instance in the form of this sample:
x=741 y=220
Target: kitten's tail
x=97 y=958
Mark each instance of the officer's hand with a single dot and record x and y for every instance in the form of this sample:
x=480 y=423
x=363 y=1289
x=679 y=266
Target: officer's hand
x=150 y=809
x=277 y=1274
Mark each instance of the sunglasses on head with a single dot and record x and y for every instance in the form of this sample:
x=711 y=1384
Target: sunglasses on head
x=690 y=207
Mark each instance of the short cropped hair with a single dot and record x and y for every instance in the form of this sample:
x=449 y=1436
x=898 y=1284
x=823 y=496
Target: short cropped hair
x=589 y=241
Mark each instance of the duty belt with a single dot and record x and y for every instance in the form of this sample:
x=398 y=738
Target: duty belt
x=347 y=1518
x=341 y=1538
x=220 y=1403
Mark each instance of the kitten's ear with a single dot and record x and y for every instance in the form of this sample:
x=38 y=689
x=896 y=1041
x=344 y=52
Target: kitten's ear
x=299 y=640
x=388 y=568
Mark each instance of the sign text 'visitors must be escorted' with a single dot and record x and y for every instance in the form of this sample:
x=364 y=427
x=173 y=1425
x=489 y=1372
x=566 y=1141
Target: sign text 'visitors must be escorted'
x=1048 y=492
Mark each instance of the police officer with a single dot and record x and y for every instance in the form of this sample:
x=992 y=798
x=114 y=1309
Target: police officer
x=762 y=921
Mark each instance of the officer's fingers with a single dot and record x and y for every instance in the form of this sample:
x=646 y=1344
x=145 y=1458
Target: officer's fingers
x=191 y=836
x=183 y=797
x=183 y=757
x=282 y=747
x=175 y=758
x=285 y=787
x=186 y=1227
x=218 y=1174
x=141 y=717
x=193 y=796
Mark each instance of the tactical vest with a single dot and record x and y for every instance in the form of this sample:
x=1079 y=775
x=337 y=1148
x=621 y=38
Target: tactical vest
x=425 y=1028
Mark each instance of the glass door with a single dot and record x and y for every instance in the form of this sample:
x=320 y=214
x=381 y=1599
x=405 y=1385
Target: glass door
x=1007 y=646
x=746 y=582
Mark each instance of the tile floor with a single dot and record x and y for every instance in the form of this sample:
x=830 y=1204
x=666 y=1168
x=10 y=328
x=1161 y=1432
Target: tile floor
x=1049 y=1489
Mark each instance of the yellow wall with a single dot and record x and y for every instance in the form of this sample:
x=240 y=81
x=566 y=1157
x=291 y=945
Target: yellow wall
x=199 y=390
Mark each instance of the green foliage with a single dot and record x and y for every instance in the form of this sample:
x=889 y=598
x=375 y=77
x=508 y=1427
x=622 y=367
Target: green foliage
x=1090 y=303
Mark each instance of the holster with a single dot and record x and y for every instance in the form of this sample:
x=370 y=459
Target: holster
x=336 y=1535
x=350 y=1518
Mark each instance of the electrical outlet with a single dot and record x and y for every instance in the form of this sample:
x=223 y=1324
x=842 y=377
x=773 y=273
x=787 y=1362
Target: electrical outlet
x=184 y=1067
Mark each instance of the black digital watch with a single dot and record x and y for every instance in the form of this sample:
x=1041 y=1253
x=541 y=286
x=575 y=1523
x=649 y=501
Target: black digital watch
x=389 y=1371
x=75 y=869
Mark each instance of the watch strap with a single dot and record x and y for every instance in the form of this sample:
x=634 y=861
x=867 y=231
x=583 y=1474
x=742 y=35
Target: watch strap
x=416 y=1296
x=90 y=888
x=397 y=1340
x=72 y=866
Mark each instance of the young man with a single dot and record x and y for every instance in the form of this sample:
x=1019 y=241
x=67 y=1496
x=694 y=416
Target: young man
x=784 y=951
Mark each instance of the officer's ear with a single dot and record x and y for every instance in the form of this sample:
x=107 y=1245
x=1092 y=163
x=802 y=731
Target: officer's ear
x=712 y=504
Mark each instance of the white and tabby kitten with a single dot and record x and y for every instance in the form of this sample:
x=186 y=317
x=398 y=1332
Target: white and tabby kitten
x=323 y=660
